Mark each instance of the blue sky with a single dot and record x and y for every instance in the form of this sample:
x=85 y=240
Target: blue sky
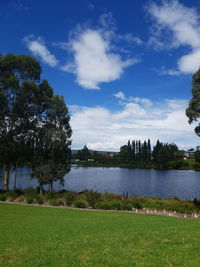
x=124 y=67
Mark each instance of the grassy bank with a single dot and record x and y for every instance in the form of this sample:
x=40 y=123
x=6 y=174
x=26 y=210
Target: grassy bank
x=107 y=201
x=36 y=236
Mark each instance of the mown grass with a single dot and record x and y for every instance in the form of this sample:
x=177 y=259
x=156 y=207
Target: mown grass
x=38 y=236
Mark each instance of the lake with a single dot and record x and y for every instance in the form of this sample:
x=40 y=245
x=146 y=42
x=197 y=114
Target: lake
x=184 y=184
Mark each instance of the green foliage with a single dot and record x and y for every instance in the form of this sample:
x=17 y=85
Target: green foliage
x=137 y=204
x=93 y=198
x=110 y=205
x=84 y=154
x=54 y=202
x=137 y=152
x=69 y=197
x=29 y=199
x=51 y=195
x=3 y=197
x=197 y=156
x=112 y=196
x=80 y=204
x=34 y=123
x=193 y=111
x=179 y=164
x=40 y=200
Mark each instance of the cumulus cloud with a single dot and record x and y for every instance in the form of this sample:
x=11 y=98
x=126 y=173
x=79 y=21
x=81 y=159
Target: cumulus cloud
x=94 y=63
x=184 y=25
x=103 y=129
x=38 y=48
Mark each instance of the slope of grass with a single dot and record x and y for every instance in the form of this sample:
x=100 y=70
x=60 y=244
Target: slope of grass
x=37 y=236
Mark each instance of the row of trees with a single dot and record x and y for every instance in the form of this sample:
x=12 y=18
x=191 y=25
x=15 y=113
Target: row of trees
x=140 y=153
x=34 y=122
x=135 y=154
x=136 y=151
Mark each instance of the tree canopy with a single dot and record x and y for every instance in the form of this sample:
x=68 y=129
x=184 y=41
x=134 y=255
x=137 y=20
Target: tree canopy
x=34 y=123
x=193 y=110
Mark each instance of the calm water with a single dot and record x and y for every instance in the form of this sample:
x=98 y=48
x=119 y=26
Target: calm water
x=164 y=184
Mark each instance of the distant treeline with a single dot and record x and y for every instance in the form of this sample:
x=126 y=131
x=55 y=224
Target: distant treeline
x=137 y=154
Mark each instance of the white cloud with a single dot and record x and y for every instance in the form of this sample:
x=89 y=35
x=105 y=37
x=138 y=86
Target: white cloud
x=184 y=25
x=103 y=129
x=94 y=63
x=130 y=38
x=171 y=72
x=38 y=48
x=90 y=6
x=120 y=95
x=190 y=63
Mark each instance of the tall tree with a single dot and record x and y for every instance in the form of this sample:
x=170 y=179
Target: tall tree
x=34 y=123
x=193 y=110
x=51 y=152
x=149 y=149
x=19 y=77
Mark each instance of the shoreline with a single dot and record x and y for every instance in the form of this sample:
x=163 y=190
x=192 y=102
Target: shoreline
x=144 y=211
x=86 y=165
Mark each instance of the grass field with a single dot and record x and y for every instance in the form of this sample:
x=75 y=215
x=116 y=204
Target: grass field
x=37 y=236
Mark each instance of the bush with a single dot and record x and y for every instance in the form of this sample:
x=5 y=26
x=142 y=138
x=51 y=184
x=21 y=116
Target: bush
x=127 y=206
x=111 y=196
x=29 y=199
x=137 y=204
x=93 y=198
x=80 y=204
x=40 y=200
x=103 y=205
x=53 y=202
x=30 y=191
x=51 y=195
x=70 y=197
x=3 y=197
x=110 y=205
x=21 y=199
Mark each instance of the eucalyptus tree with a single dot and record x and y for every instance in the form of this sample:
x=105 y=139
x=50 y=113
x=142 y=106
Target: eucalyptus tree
x=34 y=123
x=193 y=110
x=52 y=153
x=19 y=79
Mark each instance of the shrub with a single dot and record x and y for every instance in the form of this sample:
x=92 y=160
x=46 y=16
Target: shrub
x=30 y=191
x=60 y=202
x=40 y=200
x=21 y=199
x=93 y=198
x=137 y=204
x=110 y=205
x=29 y=199
x=53 y=202
x=127 y=206
x=116 y=205
x=111 y=196
x=80 y=204
x=154 y=204
x=51 y=195
x=70 y=197
x=3 y=197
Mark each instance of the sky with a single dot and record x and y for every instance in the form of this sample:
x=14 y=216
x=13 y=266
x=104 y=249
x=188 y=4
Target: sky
x=124 y=67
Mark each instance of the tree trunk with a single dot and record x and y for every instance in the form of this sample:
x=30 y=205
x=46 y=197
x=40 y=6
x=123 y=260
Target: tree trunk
x=6 y=178
x=41 y=189
x=15 y=179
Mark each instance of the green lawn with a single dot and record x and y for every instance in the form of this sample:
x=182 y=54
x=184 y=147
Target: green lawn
x=37 y=236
